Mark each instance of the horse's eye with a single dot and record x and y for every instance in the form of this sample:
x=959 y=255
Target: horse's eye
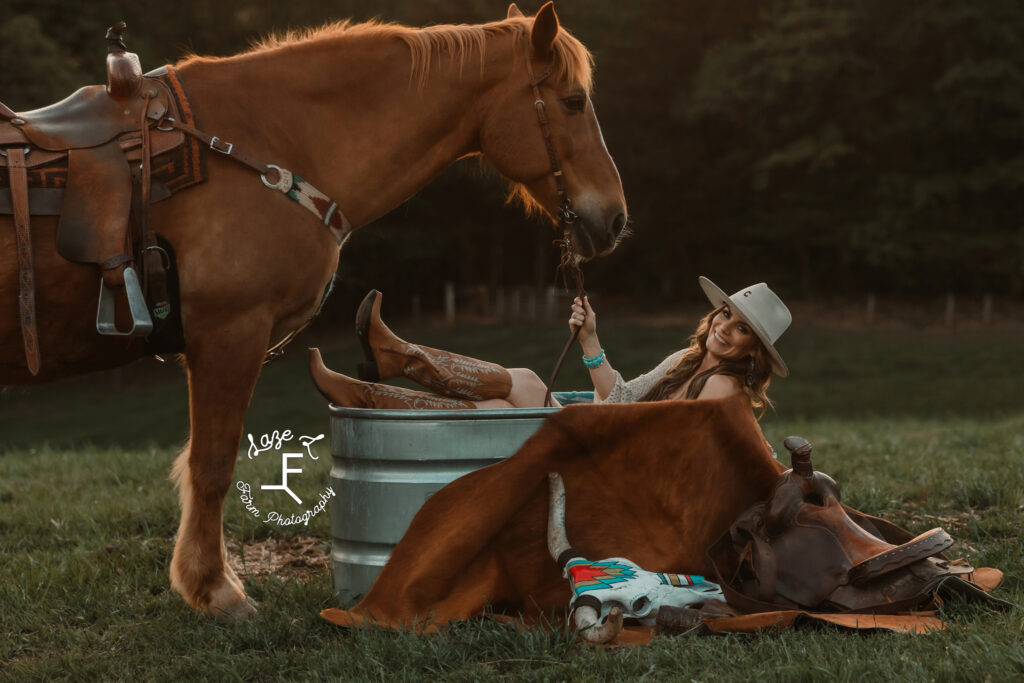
x=575 y=103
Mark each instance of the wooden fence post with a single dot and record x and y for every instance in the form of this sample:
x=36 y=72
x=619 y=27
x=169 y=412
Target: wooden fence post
x=986 y=309
x=869 y=311
x=499 y=303
x=950 y=310
x=483 y=300
x=449 y=303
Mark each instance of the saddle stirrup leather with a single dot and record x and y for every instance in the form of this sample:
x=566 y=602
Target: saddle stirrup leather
x=124 y=81
x=142 y=323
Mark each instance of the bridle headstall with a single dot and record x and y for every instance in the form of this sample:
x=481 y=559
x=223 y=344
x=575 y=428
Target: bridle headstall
x=568 y=261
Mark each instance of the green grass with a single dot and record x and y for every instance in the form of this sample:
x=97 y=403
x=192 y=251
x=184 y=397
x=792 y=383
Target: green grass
x=925 y=431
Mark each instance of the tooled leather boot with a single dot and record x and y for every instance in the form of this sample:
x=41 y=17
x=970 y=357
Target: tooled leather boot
x=351 y=393
x=445 y=373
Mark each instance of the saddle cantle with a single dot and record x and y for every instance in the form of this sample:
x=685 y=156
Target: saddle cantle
x=88 y=159
x=803 y=550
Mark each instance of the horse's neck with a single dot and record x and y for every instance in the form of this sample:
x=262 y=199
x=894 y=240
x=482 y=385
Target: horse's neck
x=345 y=116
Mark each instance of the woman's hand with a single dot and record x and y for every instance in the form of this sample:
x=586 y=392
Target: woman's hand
x=584 y=318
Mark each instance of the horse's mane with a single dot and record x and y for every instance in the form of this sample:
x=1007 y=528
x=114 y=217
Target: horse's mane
x=573 y=61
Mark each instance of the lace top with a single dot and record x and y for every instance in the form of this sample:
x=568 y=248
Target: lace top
x=633 y=390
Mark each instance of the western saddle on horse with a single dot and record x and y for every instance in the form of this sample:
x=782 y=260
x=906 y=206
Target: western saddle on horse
x=89 y=160
x=106 y=137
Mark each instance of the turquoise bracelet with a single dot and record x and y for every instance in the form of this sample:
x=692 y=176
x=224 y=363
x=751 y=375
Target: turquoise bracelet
x=595 y=362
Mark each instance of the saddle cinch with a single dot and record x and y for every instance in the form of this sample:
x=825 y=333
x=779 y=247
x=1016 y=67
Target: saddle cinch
x=803 y=550
x=105 y=137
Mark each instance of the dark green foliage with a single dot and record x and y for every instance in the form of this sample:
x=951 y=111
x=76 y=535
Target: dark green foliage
x=878 y=144
x=44 y=71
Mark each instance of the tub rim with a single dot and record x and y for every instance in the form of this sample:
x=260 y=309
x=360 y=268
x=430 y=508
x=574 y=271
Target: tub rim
x=438 y=415
x=568 y=397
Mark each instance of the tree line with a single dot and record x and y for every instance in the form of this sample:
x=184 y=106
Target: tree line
x=829 y=147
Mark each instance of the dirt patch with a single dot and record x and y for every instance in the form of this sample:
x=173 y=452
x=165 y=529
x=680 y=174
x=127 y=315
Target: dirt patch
x=954 y=522
x=912 y=511
x=294 y=557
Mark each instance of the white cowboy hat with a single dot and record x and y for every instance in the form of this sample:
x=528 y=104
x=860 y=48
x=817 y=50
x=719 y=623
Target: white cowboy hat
x=762 y=308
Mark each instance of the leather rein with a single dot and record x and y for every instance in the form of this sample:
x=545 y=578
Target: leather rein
x=568 y=261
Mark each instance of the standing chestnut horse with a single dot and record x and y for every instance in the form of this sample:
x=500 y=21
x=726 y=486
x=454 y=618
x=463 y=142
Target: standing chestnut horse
x=369 y=114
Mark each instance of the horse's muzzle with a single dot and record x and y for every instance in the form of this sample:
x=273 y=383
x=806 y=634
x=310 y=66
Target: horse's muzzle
x=598 y=235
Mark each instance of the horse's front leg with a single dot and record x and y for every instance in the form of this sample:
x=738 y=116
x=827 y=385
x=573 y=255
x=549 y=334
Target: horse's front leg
x=223 y=365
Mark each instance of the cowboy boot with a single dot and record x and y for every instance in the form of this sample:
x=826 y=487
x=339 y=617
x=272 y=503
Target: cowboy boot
x=351 y=393
x=445 y=373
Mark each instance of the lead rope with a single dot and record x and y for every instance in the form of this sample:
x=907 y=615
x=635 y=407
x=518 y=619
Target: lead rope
x=568 y=266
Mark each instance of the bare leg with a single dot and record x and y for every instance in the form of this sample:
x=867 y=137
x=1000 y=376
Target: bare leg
x=528 y=391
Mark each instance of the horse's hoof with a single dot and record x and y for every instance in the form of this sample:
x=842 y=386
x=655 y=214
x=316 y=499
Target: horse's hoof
x=228 y=603
x=240 y=611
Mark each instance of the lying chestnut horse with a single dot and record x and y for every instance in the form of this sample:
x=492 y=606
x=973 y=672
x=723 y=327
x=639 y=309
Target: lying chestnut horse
x=369 y=114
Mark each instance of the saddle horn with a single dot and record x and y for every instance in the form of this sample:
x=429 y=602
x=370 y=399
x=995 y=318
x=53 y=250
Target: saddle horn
x=798 y=485
x=124 y=70
x=115 y=38
x=800 y=451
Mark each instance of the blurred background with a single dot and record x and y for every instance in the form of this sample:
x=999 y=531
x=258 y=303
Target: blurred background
x=864 y=157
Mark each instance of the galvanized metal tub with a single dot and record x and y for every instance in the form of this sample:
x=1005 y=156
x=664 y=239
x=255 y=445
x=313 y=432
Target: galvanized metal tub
x=386 y=463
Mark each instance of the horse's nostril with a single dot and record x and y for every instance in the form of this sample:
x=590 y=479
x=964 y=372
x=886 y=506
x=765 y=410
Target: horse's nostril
x=618 y=224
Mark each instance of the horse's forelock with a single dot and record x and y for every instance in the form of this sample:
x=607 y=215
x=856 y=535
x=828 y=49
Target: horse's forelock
x=573 y=62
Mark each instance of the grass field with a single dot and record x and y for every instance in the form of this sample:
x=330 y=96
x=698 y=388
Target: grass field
x=924 y=429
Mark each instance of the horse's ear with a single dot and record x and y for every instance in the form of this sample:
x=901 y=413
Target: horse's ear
x=513 y=11
x=545 y=28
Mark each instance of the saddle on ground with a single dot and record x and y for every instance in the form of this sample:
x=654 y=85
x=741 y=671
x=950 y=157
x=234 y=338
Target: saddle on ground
x=803 y=550
x=103 y=139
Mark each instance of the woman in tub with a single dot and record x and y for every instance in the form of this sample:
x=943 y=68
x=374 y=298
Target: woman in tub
x=732 y=351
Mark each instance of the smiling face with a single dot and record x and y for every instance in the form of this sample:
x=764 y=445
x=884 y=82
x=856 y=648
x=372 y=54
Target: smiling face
x=730 y=336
